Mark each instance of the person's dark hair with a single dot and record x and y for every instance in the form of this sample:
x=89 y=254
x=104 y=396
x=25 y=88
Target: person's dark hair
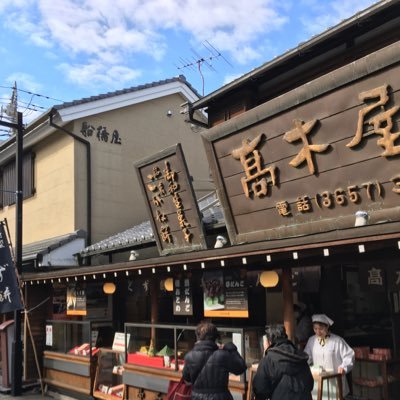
x=206 y=331
x=275 y=332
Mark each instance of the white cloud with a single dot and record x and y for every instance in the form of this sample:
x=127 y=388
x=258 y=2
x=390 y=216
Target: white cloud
x=109 y=30
x=94 y=74
x=25 y=81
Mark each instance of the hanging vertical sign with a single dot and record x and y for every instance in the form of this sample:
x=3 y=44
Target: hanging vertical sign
x=171 y=203
x=10 y=299
x=183 y=304
x=76 y=300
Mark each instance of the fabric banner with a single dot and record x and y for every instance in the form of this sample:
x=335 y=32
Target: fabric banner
x=10 y=298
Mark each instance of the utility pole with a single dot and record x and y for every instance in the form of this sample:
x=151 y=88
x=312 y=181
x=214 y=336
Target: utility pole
x=16 y=385
x=16 y=371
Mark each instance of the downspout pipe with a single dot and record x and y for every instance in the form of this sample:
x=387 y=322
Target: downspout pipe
x=88 y=174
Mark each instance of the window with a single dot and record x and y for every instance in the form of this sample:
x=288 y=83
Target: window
x=8 y=180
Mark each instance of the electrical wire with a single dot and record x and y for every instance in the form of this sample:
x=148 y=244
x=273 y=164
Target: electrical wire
x=32 y=93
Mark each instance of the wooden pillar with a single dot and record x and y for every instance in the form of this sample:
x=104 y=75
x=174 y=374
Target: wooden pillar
x=287 y=291
x=154 y=286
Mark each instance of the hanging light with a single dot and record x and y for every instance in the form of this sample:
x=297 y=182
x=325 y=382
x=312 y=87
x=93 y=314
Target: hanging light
x=269 y=278
x=169 y=284
x=109 y=288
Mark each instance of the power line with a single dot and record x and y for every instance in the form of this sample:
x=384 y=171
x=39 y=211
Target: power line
x=32 y=93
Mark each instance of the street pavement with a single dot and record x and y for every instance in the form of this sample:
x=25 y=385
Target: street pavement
x=27 y=395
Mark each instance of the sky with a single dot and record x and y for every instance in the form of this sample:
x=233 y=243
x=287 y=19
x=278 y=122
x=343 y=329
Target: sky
x=64 y=50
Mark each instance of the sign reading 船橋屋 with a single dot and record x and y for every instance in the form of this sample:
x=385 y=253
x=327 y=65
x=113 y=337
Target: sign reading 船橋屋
x=10 y=298
x=309 y=168
x=171 y=202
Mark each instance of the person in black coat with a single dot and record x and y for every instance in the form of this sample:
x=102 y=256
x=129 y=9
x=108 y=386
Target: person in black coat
x=207 y=366
x=283 y=373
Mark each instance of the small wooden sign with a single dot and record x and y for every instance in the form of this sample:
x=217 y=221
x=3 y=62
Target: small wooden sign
x=171 y=203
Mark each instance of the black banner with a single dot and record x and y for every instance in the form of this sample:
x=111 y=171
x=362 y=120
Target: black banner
x=10 y=299
x=183 y=304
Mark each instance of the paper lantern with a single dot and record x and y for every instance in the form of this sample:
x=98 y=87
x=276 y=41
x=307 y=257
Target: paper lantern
x=169 y=284
x=269 y=278
x=109 y=288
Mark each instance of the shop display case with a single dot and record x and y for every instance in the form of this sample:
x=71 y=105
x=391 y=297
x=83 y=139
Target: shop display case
x=376 y=375
x=69 y=361
x=108 y=380
x=155 y=355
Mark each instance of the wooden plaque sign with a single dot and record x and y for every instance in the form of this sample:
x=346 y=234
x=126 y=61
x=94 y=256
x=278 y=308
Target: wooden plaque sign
x=314 y=167
x=171 y=203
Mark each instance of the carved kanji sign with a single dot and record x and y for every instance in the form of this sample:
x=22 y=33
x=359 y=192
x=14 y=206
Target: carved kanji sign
x=171 y=203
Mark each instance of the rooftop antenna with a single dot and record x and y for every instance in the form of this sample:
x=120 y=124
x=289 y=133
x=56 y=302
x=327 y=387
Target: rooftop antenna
x=199 y=60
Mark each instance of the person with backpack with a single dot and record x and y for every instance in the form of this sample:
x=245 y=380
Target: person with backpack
x=207 y=366
x=283 y=373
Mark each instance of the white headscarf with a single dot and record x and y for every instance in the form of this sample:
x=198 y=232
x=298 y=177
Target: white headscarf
x=324 y=319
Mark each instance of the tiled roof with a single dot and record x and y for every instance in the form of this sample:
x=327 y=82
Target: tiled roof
x=143 y=233
x=180 y=78
x=32 y=250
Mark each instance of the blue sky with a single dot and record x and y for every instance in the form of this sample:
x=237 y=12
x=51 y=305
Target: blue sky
x=69 y=49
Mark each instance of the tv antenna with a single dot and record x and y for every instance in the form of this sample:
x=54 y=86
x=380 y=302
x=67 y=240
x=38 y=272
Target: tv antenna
x=199 y=60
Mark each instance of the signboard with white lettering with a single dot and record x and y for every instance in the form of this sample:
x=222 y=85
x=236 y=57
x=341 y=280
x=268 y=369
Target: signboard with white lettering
x=119 y=343
x=183 y=304
x=10 y=298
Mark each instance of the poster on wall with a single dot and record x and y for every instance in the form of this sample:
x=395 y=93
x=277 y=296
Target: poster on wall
x=183 y=304
x=225 y=295
x=76 y=300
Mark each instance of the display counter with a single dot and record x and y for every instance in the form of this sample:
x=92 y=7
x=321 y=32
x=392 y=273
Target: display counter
x=70 y=358
x=155 y=356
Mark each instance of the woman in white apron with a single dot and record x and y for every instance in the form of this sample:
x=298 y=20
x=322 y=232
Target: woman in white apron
x=330 y=352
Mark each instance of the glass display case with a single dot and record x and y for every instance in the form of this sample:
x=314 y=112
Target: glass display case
x=155 y=354
x=70 y=356
x=108 y=381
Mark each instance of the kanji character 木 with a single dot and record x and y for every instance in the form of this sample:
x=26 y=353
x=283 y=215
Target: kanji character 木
x=251 y=160
x=382 y=122
x=300 y=132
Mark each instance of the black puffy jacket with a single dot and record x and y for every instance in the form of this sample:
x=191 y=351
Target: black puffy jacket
x=283 y=374
x=211 y=383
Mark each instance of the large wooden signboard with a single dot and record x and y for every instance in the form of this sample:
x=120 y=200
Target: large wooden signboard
x=308 y=168
x=171 y=203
